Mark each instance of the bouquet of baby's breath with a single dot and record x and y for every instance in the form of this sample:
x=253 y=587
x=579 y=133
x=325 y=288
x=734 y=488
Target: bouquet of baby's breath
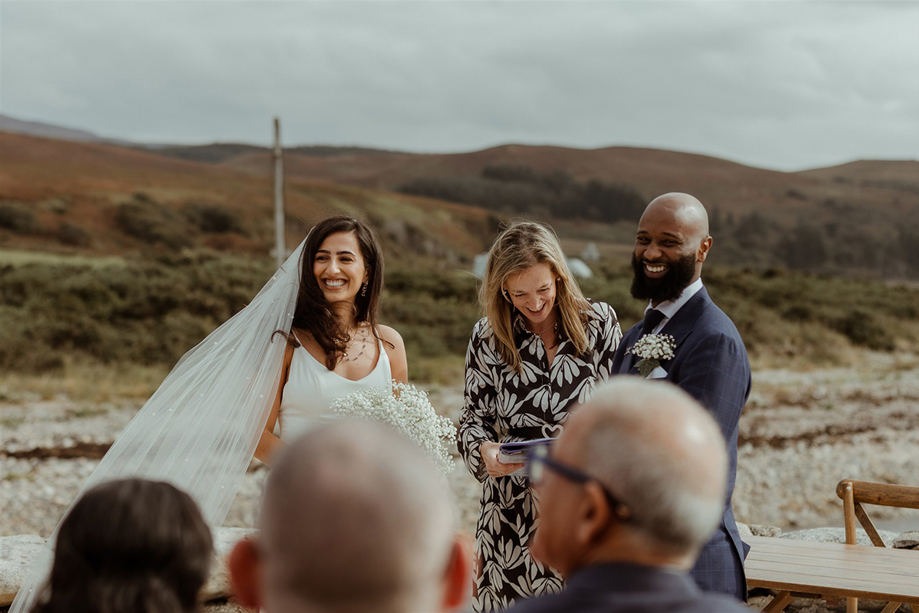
x=408 y=410
x=652 y=349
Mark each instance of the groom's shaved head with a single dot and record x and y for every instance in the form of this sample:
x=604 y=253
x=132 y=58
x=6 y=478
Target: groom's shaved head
x=671 y=244
x=684 y=211
x=355 y=518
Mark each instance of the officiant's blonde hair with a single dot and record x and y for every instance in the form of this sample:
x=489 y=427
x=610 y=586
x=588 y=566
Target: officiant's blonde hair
x=522 y=245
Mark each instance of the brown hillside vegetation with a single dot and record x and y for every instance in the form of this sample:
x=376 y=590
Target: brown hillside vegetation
x=859 y=218
x=59 y=197
x=62 y=184
x=726 y=185
x=652 y=171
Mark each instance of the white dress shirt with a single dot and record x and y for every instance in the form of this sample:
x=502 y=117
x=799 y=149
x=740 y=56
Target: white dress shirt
x=670 y=307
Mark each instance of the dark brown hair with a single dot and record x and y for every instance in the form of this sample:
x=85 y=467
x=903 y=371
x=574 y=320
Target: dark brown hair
x=314 y=313
x=129 y=546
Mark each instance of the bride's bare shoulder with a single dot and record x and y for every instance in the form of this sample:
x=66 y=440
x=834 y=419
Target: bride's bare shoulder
x=390 y=335
x=395 y=349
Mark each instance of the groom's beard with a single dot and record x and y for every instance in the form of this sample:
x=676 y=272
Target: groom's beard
x=668 y=287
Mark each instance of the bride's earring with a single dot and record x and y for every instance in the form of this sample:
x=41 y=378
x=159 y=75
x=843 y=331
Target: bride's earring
x=364 y=289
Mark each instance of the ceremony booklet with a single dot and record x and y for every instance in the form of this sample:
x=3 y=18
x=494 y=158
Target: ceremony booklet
x=515 y=453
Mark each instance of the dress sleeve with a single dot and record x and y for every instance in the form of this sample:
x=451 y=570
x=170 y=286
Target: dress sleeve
x=608 y=338
x=477 y=419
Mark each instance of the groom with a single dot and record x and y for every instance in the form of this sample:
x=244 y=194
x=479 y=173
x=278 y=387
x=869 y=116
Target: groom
x=709 y=362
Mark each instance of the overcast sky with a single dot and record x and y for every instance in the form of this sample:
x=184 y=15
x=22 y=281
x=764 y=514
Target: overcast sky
x=784 y=85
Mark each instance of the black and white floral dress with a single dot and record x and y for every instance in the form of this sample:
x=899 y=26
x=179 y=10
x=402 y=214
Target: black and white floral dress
x=502 y=406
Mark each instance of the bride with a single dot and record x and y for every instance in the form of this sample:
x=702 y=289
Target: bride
x=335 y=345
x=218 y=406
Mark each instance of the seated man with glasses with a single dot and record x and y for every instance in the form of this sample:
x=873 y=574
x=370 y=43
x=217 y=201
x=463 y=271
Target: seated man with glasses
x=629 y=493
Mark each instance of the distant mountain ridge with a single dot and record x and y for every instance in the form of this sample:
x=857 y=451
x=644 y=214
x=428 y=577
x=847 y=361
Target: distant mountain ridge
x=45 y=130
x=218 y=153
x=214 y=153
x=895 y=172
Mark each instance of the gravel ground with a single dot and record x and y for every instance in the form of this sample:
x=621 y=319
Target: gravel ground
x=801 y=433
x=49 y=448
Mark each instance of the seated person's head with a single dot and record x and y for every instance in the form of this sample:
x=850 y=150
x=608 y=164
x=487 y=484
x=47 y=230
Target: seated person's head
x=651 y=447
x=355 y=518
x=129 y=546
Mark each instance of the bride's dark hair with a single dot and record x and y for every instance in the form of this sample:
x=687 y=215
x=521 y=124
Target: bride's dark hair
x=314 y=313
x=129 y=546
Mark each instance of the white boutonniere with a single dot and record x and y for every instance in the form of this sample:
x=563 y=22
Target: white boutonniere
x=652 y=348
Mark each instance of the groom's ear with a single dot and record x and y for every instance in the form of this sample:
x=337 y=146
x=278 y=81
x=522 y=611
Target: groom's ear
x=244 y=564
x=704 y=246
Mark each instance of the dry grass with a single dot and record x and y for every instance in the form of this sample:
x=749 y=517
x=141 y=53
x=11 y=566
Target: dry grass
x=16 y=257
x=83 y=382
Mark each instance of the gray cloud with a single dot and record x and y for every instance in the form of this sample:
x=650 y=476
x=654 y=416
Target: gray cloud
x=779 y=84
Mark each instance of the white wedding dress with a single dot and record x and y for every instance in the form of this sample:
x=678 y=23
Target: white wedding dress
x=311 y=389
x=201 y=427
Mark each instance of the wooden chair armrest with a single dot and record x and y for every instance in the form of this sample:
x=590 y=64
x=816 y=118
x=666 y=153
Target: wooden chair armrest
x=882 y=494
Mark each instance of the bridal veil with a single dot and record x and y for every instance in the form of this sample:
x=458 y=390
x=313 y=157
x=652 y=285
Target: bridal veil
x=201 y=427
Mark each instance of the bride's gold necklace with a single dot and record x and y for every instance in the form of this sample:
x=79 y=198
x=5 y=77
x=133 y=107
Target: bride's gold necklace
x=351 y=339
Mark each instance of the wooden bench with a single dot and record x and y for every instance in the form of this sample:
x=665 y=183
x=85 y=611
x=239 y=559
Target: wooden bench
x=856 y=494
x=830 y=571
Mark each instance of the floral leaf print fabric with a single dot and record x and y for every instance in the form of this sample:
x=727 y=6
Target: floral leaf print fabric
x=505 y=406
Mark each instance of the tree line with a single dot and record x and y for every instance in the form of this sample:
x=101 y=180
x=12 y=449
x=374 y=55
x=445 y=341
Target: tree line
x=517 y=189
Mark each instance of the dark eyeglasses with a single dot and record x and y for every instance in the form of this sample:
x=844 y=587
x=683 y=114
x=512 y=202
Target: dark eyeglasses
x=538 y=459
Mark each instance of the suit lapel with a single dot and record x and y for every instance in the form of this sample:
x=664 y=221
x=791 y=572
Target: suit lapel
x=679 y=327
x=681 y=324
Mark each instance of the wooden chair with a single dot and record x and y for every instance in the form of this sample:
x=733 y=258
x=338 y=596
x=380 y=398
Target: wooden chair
x=856 y=493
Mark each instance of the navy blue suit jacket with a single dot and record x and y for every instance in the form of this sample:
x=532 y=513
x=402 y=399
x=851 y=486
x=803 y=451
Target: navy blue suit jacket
x=628 y=588
x=710 y=363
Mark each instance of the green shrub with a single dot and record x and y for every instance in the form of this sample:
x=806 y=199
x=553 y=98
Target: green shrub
x=147 y=312
x=56 y=205
x=862 y=328
x=74 y=235
x=153 y=223
x=19 y=218
x=151 y=311
x=798 y=312
x=213 y=218
x=522 y=189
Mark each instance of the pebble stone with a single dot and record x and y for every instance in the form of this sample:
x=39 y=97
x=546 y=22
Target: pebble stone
x=800 y=434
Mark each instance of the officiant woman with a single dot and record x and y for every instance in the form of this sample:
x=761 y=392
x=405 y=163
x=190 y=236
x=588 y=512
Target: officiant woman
x=538 y=351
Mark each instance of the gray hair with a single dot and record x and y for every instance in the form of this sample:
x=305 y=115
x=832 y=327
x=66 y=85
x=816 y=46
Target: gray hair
x=355 y=518
x=663 y=455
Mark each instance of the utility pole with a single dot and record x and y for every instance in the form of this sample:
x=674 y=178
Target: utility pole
x=279 y=246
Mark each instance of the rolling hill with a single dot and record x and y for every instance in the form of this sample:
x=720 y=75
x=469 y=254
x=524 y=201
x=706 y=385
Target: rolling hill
x=891 y=186
x=86 y=184
x=861 y=217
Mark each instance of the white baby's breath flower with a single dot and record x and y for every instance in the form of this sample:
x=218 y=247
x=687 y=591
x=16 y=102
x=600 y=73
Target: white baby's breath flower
x=652 y=349
x=408 y=410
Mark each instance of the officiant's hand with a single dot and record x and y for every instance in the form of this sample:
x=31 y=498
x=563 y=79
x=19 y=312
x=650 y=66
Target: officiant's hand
x=489 y=452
